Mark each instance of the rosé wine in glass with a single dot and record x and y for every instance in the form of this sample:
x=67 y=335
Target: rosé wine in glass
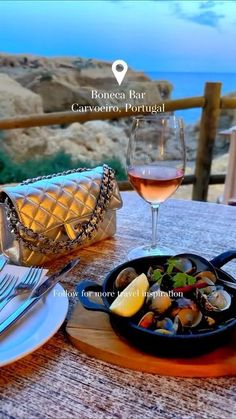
x=155 y=184
x=155 y=166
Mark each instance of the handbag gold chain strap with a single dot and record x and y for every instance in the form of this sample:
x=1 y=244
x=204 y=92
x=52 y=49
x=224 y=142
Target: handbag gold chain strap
x=46 y=245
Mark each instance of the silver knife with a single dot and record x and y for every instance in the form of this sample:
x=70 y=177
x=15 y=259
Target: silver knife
x=39 y=292
x=3 y=261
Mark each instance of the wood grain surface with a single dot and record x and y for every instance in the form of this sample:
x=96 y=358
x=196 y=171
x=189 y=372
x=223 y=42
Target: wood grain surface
x=58 y=381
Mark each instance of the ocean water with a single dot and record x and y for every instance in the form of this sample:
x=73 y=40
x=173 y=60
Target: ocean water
x=192 y=84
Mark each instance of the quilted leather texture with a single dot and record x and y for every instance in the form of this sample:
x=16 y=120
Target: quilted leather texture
x=51 y=206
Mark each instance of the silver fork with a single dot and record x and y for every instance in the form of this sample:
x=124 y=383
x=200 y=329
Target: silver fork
x=7 y=284
x=3 y=261
x=26 y=285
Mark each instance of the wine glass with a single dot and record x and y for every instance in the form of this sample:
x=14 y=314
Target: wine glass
x=155 y=165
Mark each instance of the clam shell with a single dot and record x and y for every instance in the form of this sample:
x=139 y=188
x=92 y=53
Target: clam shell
x=220 y=300
x=206 y=290
x=183 y=265
x=166 y=324
x=177 y=324
x=206 y=275
x=159 y=302
x=189 y=317
x=125 y=277
x=149 y=273
x=152 y=292
x=210 y=321
x=147 y=320
x=183 y=303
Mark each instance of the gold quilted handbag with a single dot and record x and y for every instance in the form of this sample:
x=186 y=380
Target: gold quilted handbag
x=45 y=217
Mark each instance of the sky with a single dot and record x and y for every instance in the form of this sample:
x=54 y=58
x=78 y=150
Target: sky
x=155 y=35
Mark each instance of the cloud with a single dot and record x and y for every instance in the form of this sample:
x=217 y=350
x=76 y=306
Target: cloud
x=209 y=4
x=208 y=18
x=204 y=15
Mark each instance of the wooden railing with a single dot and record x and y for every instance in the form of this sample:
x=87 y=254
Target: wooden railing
x=211 y=104
x=60 y=118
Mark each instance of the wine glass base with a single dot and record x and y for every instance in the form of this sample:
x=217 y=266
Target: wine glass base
x=142 y=251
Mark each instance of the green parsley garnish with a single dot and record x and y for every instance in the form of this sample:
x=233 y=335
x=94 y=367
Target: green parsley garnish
x=179 y=279
x=182 y=279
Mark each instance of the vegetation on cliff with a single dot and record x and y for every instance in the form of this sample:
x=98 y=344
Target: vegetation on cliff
x=12 y=172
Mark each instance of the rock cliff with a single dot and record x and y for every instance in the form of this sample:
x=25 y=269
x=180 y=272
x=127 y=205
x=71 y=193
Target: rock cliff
x=31 y=84
x=63 y=81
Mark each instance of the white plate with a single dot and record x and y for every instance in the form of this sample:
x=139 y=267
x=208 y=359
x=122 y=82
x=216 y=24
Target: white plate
x=35 y=328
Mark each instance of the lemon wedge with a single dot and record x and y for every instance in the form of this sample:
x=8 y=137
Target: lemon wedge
x=131 y=299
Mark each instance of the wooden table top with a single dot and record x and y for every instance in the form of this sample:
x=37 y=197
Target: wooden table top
x=58 y=381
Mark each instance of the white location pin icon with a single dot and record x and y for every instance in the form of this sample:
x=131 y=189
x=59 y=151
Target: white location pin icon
x=119 y=69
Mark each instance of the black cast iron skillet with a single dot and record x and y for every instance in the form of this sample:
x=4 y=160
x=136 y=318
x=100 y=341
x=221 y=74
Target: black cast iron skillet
x=148 y=340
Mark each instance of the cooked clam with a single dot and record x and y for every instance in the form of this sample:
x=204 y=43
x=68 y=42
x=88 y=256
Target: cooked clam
x=208 y=289
x=152 y=292
x=172 y=326
x=166 y=324
x=183 y=303
x=159 y=301
x=189 y=317
x=182 y=264
x=125 y=277
x=150 y=273
x=147 y=320
x=204 y=275
x=177 y=325
x=210 y=321
x=220 y=300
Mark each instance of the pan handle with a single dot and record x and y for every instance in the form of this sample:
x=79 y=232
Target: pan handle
x=223 y=258
x=83 y=289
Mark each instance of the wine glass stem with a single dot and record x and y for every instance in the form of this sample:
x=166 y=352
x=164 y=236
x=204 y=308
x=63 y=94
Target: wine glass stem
x=155 y=209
